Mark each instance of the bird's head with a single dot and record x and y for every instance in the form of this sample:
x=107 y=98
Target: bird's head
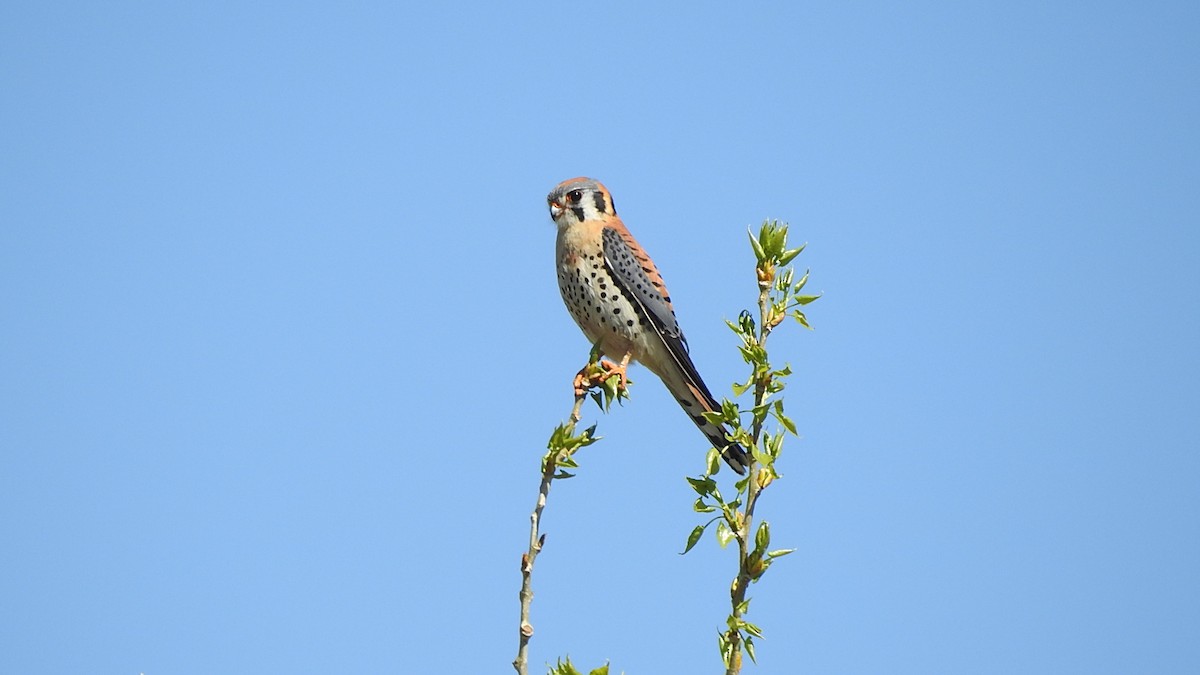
x=579 y=199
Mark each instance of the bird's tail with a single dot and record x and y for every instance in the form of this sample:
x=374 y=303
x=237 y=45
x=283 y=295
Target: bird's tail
x=697 y=403
x=694 y=397
x=733 y=454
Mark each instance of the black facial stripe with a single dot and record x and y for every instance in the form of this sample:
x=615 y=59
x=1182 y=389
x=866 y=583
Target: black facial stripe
x=599 y=197
x=578 y=211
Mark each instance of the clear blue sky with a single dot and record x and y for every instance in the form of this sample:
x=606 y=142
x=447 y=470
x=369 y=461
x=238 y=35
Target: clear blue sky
x=280 y=340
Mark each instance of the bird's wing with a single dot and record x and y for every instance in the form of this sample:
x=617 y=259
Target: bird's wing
x=641 y=283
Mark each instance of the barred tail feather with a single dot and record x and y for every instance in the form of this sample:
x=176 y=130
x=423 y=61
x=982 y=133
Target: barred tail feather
x=694 y=404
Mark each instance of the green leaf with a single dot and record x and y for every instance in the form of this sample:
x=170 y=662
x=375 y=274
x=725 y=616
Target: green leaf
x=749 y=642
x=803 y=280
x=788 y=256
x=784 y=419
x=805 y=299
x=761 y=456
x=724 y=534
x=762 y=538
x=764 y=238
x=701 y=507
x=758 y=249
x=752 y=629
x=589 y=434
x=799 y=316
x=694 y=537
x=760 y=413
x=747 y=354
x=772 y=238
x=779 y=553
x=564 y=668
x=740 y=486
x=741 y=436
x=774 y=444
x=703 y=486
x=602 y=670
x=556 y=437
x=610 y=391
x=729 y=411
x=712 y=461
x=716 y=494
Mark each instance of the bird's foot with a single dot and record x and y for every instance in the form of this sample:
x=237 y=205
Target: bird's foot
x=598 y=373
x=609 y=377
x=621 y=370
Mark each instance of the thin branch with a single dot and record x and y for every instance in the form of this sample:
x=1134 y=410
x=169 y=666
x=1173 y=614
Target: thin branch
x=536 y=541
x=560 y=456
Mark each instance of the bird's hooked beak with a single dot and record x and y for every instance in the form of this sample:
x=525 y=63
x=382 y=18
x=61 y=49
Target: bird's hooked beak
x=556 y=209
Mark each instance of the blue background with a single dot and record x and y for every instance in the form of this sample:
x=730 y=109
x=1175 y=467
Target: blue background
x=281 y=344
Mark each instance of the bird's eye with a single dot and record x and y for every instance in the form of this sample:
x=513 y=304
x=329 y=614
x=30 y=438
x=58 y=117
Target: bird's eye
x=574 y=196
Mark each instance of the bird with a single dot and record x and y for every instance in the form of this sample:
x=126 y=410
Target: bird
x=616 y=295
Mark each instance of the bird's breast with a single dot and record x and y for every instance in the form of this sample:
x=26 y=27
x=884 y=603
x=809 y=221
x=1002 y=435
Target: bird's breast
x=602 y=309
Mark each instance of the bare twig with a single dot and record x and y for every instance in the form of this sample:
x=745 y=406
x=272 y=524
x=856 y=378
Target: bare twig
x=562 y=447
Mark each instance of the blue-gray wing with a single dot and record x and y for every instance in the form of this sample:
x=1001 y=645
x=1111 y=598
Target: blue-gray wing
x=638 y=280
x=641 y=283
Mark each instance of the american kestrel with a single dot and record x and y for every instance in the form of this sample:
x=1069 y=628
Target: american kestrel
x=616 y=295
